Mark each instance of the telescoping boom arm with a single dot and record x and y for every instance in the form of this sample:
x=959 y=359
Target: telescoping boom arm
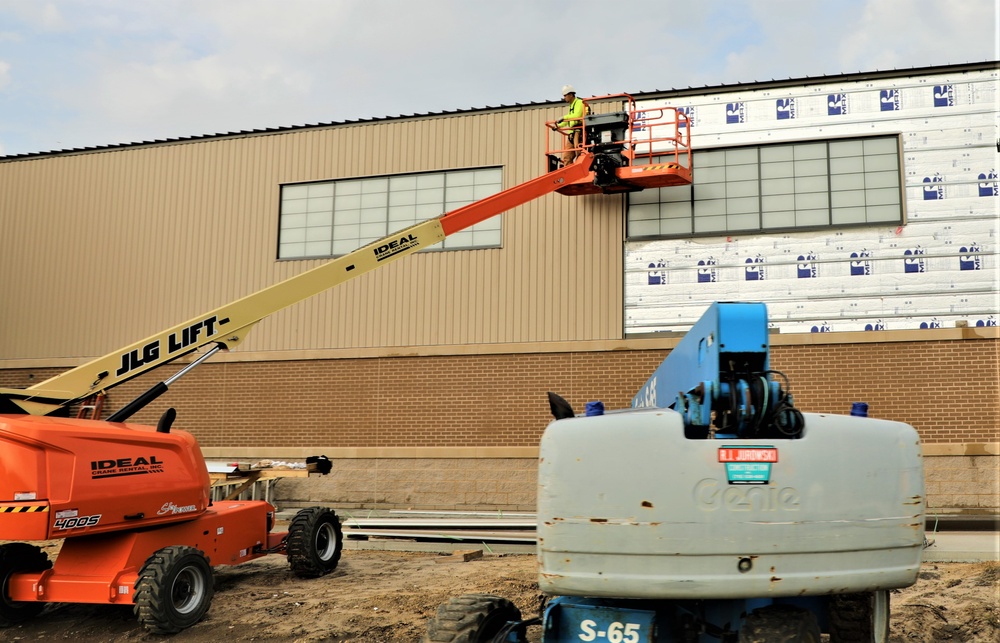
x=227 y=326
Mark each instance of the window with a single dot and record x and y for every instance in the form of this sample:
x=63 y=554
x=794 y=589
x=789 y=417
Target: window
x=336 y=217
x=777 y=187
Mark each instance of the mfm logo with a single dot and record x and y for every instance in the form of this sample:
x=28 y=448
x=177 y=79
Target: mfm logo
x=754 y=270
x=657 y=274
x=690 y=114
x=889 y=100
x=785 y=108
x=913 y=260
x=933 y=187
x=125 y=467
x=988 y=185
x=944 y=96
x=968 y=257
x=394 y=247
x=836 y=104
x=736 y=113
x=805 y=268
x=860 y=264
x=639 y=122
x=707 y=272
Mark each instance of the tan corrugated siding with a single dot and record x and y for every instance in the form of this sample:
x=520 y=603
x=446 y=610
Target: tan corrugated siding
x=103 y=248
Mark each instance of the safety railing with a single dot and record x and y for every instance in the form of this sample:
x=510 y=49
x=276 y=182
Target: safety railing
x=654 y=135
x=661 y=135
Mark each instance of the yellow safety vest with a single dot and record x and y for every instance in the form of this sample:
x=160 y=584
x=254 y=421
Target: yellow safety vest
x=572 y=119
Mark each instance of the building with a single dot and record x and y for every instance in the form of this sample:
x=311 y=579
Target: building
x=863 y=208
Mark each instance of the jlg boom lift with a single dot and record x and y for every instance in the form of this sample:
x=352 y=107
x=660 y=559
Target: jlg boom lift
x=133 y=502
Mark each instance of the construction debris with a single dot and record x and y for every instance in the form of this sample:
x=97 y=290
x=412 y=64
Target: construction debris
x=460 y=556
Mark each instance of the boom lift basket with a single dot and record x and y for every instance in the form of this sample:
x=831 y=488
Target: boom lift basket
x=632 y=149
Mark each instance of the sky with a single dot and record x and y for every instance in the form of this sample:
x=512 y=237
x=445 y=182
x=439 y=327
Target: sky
x=81 y=73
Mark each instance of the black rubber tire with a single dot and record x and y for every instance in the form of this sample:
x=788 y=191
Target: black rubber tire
x=859 y=618
x=19 y=557
x=780 y=624
x=472 y=618
x=315 y=541
x=174 y=589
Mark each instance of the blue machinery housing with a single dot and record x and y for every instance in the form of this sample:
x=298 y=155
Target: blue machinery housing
x=719 y=378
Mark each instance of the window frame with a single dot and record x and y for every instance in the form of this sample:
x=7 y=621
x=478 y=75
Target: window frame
x=699 y=212
x=361 y=196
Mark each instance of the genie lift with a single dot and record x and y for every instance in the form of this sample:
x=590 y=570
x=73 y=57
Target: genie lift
x=713 y=510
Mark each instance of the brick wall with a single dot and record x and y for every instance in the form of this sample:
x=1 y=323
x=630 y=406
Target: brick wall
x=948 y=390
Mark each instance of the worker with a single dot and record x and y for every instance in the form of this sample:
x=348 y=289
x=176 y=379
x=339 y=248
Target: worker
x=571 y=124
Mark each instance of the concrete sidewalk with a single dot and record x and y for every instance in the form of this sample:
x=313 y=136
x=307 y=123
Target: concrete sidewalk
x=962 y=546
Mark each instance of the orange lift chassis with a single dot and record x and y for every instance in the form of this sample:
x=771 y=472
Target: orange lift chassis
x=133 y=502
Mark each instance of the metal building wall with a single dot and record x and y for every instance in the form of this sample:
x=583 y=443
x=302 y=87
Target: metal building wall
x=102 y=248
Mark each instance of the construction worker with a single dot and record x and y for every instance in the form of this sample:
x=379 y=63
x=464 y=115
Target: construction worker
x=571 y=124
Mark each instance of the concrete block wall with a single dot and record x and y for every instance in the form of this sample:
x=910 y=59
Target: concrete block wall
x=956 y=484
x=962 y=480
x=457 y=484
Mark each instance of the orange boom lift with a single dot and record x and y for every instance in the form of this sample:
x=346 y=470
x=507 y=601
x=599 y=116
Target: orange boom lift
x=133 y=502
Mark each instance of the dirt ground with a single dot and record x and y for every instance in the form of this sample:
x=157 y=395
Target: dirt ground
x=374 y=596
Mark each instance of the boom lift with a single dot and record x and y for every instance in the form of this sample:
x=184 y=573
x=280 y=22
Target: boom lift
x=132 y=502
x=713 y=510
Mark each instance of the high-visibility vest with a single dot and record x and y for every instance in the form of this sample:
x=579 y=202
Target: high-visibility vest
x=572 y=119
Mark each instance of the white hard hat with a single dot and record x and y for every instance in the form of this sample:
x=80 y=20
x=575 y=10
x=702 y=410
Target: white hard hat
x=568 y=89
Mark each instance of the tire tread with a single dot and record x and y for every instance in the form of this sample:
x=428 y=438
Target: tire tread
x=780 y=624
x=468 y=618
x=20 y=557
x=152 y=597
x=302 y=555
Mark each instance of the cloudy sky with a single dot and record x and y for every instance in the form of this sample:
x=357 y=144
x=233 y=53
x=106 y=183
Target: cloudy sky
x=76 y=73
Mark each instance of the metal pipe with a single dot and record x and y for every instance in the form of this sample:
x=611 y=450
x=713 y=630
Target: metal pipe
x=158 y=389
